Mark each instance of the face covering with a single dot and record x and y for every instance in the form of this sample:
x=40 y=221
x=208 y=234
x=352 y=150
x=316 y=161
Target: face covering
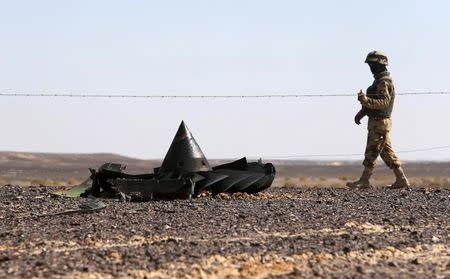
x=377 y=68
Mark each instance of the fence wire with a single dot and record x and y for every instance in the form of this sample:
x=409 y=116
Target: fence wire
x=262 y=96
x=306 y=156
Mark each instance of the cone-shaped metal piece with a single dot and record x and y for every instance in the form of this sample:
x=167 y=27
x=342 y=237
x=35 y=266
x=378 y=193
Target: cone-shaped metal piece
x=184 y=155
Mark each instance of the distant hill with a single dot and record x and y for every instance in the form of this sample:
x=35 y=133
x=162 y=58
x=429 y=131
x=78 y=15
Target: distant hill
x=61 y=169
x=22 y=160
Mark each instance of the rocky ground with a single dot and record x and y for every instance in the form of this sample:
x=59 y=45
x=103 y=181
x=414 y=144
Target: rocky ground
x=281 y=233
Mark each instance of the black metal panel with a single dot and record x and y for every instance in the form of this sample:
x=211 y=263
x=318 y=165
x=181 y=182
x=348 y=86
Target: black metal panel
x=267 y=168
x=244 y=184
x=261 y=184
x=233 y=178
x=147 y=187
x=210 y=178
x=196 y=177
x=240 y=164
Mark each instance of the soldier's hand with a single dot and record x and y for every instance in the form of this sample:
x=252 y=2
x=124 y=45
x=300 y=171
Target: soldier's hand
x=362 y=97
x=358 y=118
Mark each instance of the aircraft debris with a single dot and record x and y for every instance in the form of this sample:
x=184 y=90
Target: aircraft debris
x=184 y=173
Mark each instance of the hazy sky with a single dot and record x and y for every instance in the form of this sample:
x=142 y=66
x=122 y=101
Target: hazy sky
x=219 y=47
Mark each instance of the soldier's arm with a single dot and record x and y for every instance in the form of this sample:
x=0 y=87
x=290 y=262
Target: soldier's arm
x=360 y=115
x=385 y=97
x=362 y=112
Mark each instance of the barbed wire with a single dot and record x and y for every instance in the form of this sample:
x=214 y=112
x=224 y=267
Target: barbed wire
x=354 y=154
x=264 y=96
x=261 y=96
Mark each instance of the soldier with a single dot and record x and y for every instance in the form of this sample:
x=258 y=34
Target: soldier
x=377 y=104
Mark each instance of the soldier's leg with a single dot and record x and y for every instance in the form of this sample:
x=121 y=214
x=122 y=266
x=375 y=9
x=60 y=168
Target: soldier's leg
x=373 y=148
x=375 y=143
x=388 y=154
x=390 y=158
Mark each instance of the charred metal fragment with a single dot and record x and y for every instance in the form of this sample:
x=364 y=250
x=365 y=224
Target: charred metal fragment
x=184 y=172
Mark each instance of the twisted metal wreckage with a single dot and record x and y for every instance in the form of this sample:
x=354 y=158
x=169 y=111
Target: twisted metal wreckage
x=184 y=173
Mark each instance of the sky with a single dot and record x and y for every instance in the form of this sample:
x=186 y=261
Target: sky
x=245 y=47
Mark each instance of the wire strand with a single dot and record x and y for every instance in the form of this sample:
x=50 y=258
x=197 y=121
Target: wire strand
x=269 y=96
x=262 y=96
x=355 y=154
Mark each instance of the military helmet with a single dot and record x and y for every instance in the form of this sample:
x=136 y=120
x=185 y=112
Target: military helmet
x=377 y=56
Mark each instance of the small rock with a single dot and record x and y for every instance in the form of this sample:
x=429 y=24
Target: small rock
x=297 y=271
x=242 y=216
x=4 y=258
x=425 y=191
x=360 y=269
x=86 y=269
x=427 y=247
x=317 y=271
x=415 y=261
x=435 y=239
x=393 y=264
x=345 y=236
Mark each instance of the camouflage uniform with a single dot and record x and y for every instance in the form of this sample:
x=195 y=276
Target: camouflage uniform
x=378 y=107
x=377 y=104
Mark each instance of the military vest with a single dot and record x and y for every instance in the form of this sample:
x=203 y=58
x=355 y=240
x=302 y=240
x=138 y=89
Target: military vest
x=372 y=93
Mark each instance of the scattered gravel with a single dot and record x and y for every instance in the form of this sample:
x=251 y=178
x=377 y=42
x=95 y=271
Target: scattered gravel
x=285 y=233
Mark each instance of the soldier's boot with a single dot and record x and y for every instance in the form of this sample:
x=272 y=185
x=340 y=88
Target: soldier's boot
x=363 y=182
x=401 y=182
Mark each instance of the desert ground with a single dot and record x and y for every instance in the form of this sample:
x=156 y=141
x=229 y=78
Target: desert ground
x=306 y=226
